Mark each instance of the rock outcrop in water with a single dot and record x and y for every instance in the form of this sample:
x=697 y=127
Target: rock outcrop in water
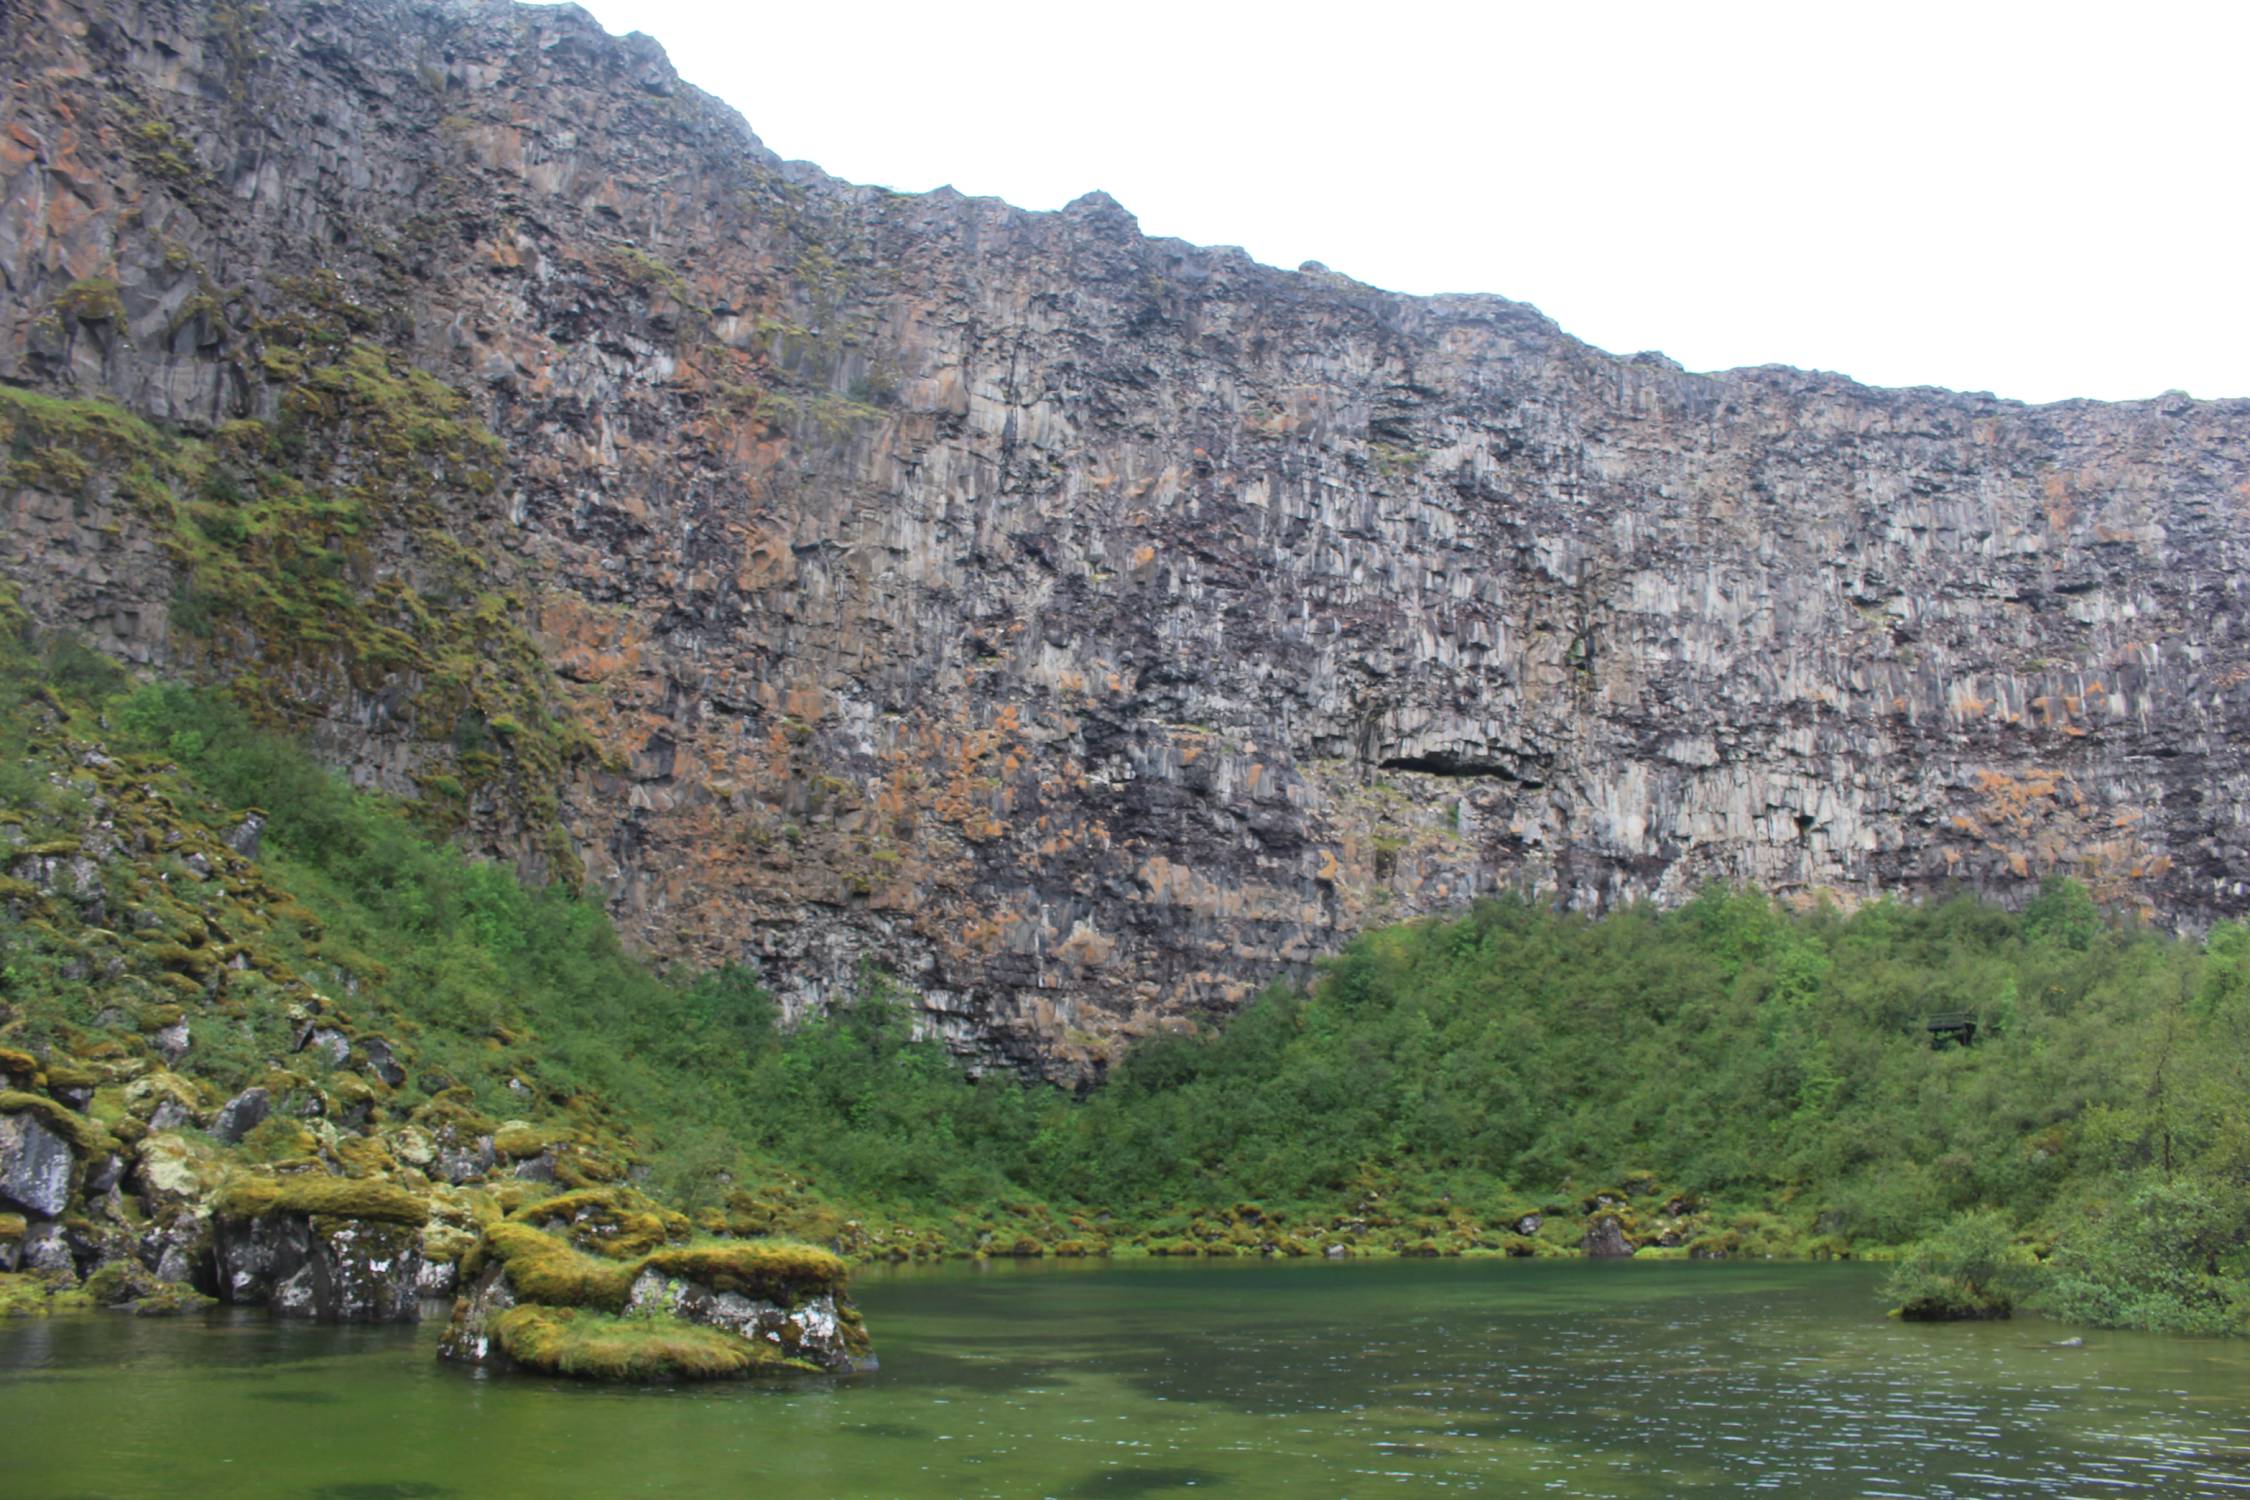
x=1087 y=627
x=534 y=1301
x=330 y=1268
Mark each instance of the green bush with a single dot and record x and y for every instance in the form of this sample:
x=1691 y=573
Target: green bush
x=2157 y=1262
x=1969 y=1269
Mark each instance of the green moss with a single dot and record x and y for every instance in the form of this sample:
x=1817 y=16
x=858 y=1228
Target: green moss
x=775 y=1270
x=544 y=1269
x=453 y=1111
x=279 y=1138
x=162 y=150
x=646 y=271
x=273 y=530
x=92 y=299
x=614 y=1222
x=576 y=1341
x=255 y=1197
x=29 y=1296
x=124 y=1284
x=569 y=1205
x=69 y=1075
x=518 y=1141
x=12 y=1226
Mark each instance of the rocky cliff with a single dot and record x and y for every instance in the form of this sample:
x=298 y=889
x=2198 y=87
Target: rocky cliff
x=1085 y=627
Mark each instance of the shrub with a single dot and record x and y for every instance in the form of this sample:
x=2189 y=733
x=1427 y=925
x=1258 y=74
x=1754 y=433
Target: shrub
x=2157 y=1263
x=1968 y=1269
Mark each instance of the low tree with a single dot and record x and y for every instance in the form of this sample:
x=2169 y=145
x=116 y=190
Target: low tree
x=1969 y=1269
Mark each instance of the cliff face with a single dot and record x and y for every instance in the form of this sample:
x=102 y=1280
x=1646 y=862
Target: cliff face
x=1086 y=627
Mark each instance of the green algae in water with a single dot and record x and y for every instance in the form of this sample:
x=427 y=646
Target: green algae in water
x=1242 y=1378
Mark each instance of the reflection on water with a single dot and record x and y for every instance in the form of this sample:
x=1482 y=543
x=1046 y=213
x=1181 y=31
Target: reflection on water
x=1568 y=1378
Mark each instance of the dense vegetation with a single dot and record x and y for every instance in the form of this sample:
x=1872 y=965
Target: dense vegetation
x=1734 y=1076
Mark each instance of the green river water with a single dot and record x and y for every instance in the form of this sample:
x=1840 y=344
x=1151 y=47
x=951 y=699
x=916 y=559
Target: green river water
x=1557 y=1378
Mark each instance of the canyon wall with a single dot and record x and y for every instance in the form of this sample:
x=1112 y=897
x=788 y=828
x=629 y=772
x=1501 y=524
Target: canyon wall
x=1086 y=628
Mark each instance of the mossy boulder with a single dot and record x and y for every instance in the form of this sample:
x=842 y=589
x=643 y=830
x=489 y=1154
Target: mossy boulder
x=531 y=1298
x=616 y=1222
x=128 y=1287
x=165 y=1100
x=335 y=1249
x=174 y=1172
x=1606 y=1239
x=38 y=1167
x=777 y=1270
x=86 y=1135
x=25 y=1295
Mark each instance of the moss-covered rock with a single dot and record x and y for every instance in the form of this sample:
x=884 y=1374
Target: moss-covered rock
x=616 y=1222
x=40 y=1164
x=542 y=1268
x=783 y=1300
x=1606 y=1237
x=33 y=1296
x=86 y=1135
x=1971 y=1269
x=336 y=1249
x=773 y=1269
x=125 y=1285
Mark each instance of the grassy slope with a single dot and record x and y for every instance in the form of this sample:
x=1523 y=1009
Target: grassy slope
x=1729 y=1076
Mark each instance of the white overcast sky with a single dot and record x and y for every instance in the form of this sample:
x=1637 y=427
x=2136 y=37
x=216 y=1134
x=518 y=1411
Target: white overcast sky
x=2043 y=201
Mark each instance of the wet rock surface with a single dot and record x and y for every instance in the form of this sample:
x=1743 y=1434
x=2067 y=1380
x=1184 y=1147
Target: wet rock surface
x=1086 y=626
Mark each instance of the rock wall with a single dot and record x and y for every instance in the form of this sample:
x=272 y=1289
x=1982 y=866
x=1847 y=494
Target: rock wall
x=1086 y=627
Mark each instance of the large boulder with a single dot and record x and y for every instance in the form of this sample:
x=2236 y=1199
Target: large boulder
x=37 y=1165
x=241 y=1114
x=1605 y=1238
x=130 y=1287
x=333 y=1270
x=681 y=1312
x=339 y=1250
